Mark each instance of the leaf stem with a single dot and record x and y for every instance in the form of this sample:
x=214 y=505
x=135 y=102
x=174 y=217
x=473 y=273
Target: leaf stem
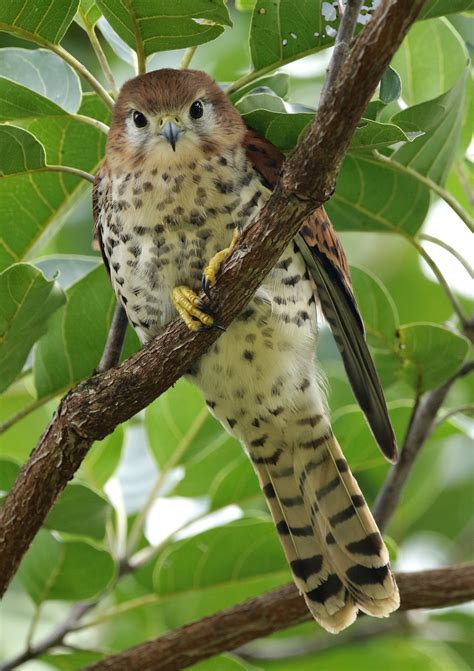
x=451 y=250
x=70 y=170
x=441 y=279
x=101 y=57
x=256 y=74
x=92 y=122
x=442 y=193
x=83 y=72
x=187 y=58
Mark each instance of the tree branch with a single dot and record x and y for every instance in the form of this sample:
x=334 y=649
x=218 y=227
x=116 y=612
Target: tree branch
x=278 y=609
x=420 y=427
x=92 y=409
x=349 y=15
x=115 y=338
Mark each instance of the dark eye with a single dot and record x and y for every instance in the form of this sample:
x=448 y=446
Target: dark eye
x=196 y=110
x=139 y=119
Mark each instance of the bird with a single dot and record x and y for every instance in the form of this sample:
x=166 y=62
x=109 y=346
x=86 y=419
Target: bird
x=182 y=178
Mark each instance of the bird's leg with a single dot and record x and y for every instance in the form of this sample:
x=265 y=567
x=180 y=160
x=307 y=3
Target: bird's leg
x=192 y=310
x=214 y=265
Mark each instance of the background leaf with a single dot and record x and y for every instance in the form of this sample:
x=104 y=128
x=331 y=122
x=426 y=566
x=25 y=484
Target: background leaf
x=41 y=21
x=44 y=73
x=28 y=300
x=161 y=25
x=79 y=511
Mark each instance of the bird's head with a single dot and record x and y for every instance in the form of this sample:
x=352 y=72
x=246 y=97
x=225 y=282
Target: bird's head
x=172 y=116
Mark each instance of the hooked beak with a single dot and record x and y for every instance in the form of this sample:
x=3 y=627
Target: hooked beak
x=170 y=130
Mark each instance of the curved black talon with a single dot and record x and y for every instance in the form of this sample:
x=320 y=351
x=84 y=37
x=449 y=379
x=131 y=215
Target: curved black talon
x=216 y=325
x=206 y=286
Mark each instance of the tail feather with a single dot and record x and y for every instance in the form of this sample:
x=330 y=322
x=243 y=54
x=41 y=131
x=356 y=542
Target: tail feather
x=335 y=551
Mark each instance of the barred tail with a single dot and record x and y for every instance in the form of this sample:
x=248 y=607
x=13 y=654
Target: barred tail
x=335 y=551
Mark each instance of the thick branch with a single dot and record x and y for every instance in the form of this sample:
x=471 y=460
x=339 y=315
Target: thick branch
x=419 y=430
x=93 y=409
x=279 y=609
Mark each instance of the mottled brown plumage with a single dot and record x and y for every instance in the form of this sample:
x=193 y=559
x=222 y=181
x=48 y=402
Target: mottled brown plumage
x=182 y=175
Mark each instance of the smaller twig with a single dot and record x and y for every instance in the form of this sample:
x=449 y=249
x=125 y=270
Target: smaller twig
x=54 y=639
x=341 y=45
x=467 y=409
x=465 y=183
x=113 y=347
x=101 y=57
x=442 y=193
x=419 y=429
x=451 y=250
x=442 y=281
x=187 y=58
x=68 y=169
x=92 y=122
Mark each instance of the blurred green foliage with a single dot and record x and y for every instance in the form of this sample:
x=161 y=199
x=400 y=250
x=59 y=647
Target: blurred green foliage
x=170 y=490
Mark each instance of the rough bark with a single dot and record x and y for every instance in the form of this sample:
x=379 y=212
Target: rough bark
x=95 y=407
x=281 y=608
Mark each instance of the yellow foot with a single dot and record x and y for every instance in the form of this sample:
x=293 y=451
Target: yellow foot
x=192 y=310
x=214 y=265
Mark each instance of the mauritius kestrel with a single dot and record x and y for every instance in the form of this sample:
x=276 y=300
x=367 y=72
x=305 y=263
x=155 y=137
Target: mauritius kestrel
x=182 y=178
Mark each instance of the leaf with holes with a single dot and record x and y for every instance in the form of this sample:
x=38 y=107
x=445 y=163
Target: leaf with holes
x=150 y=27
x=41 y=21
x=235 y=553
x=54 y=87
x=28 y=300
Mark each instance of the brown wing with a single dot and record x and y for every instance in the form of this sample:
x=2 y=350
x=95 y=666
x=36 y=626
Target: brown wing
x=97 y=240
x=327 y=263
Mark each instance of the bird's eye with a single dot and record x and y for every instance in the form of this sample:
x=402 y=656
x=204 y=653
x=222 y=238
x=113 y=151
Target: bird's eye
x=196 y=110
x=139 y=119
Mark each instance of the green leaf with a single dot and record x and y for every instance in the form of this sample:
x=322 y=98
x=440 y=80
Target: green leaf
x=283 y=31
x=376 y=307
x=267 y=114
x=28 y=300
x=33 y=201
x=432 y=354
x=235 y=553
x=19 y=152
x=42 y=21
x=103 y=459
x=67 y=268
x=178 y=424
x=373 y=196
x=390 y=86
x=45 y=74
x=433 y=153
x=71 y=571
x=434 y=8
x=88 y=14
x=80 y=511
x=162 y=25
x=71 y=661
x=426 y=78
x=8 y=473
x=76 y=336
x=277 y=82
